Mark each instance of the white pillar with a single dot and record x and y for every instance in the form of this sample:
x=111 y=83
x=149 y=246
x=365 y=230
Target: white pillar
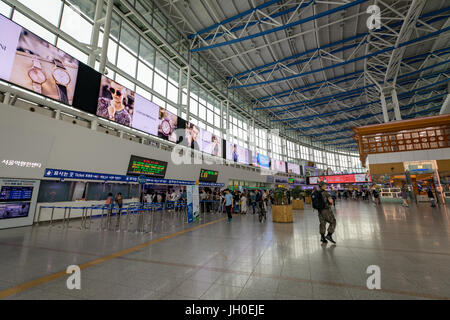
x=58 y=114
x=398 y=115
x=446 y=106
x=96 y=32
x=94 y=124
x=108 y=18
x=384 y=107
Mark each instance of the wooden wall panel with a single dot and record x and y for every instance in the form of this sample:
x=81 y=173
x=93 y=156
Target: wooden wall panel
x=387 y=168
x=443 y=165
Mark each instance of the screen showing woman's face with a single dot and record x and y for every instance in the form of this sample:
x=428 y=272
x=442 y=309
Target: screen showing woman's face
x=116 y=92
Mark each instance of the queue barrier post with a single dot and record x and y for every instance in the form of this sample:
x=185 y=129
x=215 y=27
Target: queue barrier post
x=68 y=217
x=51 y=217
x=39 y=215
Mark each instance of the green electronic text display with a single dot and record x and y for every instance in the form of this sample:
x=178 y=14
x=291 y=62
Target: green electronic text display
x=148 y=167
x=208 y=176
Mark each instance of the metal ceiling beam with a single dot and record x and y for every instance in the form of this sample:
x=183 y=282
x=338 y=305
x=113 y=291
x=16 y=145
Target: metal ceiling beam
x=277 y=65
x=246 y=25
x=404 y=44
x=290 y=25
x=235 y=17
x=349 y=94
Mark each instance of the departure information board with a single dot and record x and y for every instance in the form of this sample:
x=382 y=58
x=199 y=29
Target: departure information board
x=10 y=193
x=148 y=167
x=209 y=176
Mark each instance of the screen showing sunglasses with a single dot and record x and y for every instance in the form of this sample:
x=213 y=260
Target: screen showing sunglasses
x=115 y=91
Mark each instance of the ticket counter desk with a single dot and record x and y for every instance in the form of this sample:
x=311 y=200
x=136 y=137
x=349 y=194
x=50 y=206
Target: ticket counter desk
x=393 y=195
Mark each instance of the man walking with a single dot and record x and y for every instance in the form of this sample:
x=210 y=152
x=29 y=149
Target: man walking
x=323 y=203
x=228 y=203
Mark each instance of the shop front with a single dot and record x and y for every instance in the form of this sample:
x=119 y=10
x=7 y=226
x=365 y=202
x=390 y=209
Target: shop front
x=417 y=176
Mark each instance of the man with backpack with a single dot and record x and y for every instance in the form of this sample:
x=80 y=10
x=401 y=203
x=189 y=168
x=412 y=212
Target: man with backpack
x=322 y=202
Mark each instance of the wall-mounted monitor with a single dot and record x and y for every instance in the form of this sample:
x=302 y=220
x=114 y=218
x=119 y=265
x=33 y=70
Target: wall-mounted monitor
x=14 y=210
x=209 y=176
x=210 y=143
x=293 y=168
x=147 y=167
x=278 y=165
x=261 y=161
x=346 y=178
x=34 y=64
x=237 y=153
x=12 y=193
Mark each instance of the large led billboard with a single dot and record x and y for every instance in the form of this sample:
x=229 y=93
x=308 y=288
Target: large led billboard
x=278 y=165
x=346 y=178
x=237 y=153
x=261 y=161
x=34 y=64
x=293 y=168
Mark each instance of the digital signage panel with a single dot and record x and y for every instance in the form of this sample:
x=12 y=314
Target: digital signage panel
x=168 y=125
x=346 y=178
x=14 y=210
x=148 y=167
x=293 y=168
x=34 y=64
x=145 y=116
x=278 y=165
x=210 y=143
x=11 y=193
x=115 y=102
x=209 y=176
x=237 y=153
x=261 y=161
x=192 y=137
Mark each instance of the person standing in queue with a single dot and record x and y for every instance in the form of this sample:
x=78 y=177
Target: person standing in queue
x=323 y=205
x=119 y=201
x=228 y=203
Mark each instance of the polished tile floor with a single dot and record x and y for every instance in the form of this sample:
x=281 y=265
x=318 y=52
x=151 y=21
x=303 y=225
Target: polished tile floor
x=243 y=259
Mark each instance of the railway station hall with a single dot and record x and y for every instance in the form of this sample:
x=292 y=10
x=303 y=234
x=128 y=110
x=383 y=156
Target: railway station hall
x=232 y=153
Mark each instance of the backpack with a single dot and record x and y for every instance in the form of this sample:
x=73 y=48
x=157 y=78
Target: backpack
x=317 y=200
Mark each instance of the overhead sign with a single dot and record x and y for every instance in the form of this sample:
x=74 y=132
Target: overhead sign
x=346 y=178
x=77 y=175
x=209 y=176
x=140 y=166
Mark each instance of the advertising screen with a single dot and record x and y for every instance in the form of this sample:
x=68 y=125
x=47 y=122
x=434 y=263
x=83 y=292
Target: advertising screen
x=14 y=210
x=168 y=125
x=115 y=102
x=261 y=161
x=210 y=143
x=32 y=63
x=209 y=176
x=293 y=168
x=346 y=178
x=192 y=137
x=148 y=167
x=9 y=193
x=237 y=153
x=278 y=165
x=145 y=115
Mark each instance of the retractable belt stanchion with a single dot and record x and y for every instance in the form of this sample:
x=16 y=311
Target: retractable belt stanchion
x=127 y=219
x=51 y=217
x=68 y=217
x=39 y=215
